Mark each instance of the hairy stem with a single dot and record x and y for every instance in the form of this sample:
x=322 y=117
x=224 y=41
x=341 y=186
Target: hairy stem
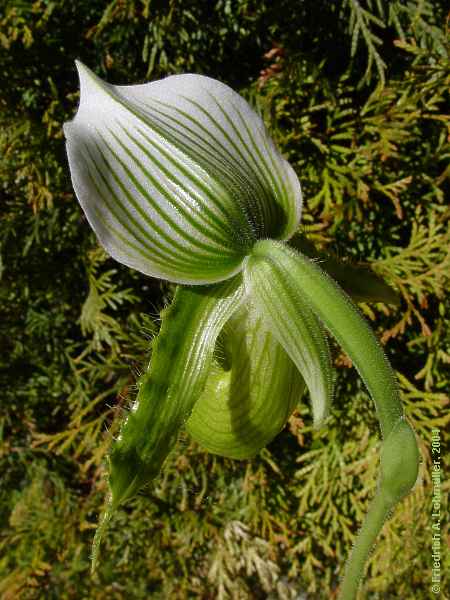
x=399 y=466
x=373 y=523
x=273 y=261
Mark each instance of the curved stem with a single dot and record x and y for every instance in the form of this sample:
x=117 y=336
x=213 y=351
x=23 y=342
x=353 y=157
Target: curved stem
x=399 y=467
x=376 y=516
x=399 y=451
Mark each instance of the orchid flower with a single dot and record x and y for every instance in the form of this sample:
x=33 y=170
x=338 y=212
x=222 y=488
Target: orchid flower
x=180 y=180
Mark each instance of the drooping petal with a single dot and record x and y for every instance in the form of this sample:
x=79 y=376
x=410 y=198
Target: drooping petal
x=242 y=409
x=178 y=177
x=399 y=453
x=342 y=319
x=286 y=312
x=176 y=377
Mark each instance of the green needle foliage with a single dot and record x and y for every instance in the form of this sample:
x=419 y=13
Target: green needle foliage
x=355 y=95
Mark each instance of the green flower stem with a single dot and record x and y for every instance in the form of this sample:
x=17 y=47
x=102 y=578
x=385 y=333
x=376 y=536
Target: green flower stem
x=399 y=466
x=177 y=374
x=375 y=518
x=275 y=262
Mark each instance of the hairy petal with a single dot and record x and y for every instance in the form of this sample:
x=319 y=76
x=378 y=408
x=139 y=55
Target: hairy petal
x=399 y=452
x=341 y=317
x=281 y=303
x=178 y=370
x=359 y=281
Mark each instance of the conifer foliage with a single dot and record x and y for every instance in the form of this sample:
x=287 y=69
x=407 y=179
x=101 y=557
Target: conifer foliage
x=355 y=93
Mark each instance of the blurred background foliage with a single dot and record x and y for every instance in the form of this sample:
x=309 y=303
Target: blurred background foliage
x=356 y=95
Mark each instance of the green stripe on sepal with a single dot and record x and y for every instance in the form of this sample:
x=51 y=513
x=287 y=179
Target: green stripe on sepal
x=177 y=374
x=182 y=168
x=281 y=303
x=244 y=408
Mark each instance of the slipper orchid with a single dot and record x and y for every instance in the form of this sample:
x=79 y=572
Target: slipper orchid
x=180 y=180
